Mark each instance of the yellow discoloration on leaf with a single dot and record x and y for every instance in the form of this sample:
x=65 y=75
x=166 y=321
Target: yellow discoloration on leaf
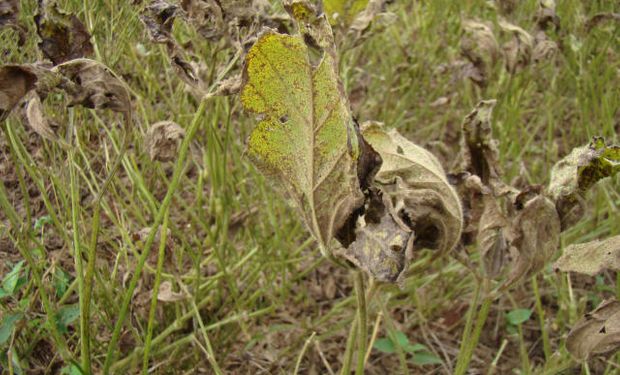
x=343 y=10
x=303 y=137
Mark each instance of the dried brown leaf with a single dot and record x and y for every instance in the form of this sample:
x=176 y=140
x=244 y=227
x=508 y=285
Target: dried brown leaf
x=9 y=10
x=158 y=17
x=163 y=140
x=591 y=257
x=479 y=46
x=546 y=15
x=545 y=50
x=597 y=333
x=418 y=190
x=601 y=17
x=518 y=51
x=92 y=85
x=166 y=294
x=37 y=120
x=492 y=237
x=15 y=82
x=63 y=36
x=534 y=237
x=381 y=245
x=576 y=173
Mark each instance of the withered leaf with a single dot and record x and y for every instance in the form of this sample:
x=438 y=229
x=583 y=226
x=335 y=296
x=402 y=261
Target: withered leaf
x=306 y=138
x=601 y=17
x=534 y=237
x=9 y=10
x=163 y=139
x=37 y=120
x=158 y=17
x=15 y=82
x=597 y=333
x=416 y=184
x=363 y=20
x=63 y=36
x=545 y=49
x=591 y=257
x=572 y=176
x=92 y=85
x=166 y=294
x=492 y=240
x=518 y=51
x=381 y=245
x=479 y=46
x=546 y=15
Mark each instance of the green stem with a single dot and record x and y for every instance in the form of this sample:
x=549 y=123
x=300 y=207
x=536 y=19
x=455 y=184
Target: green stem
x=362 y=323
x=541 y=319
x=471 y=337
x=348 y=354
x=160 y=267
x=77 y=255
x=92 y=250
x=176 y=179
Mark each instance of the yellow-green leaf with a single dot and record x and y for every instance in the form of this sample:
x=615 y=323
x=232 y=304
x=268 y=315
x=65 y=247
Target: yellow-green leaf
x=305 y=139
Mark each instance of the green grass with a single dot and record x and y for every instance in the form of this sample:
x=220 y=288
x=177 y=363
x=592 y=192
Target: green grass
x=260 y=297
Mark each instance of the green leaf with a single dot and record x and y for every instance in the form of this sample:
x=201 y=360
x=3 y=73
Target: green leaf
x=61 y=281
x=72 y=369
x=425 y=358
x=10 y=282
x=384 y=345
x=518 y=316
x=41 y=222
x=591 y=257
x=67 y=315
x=8 y=324
x=306 y=139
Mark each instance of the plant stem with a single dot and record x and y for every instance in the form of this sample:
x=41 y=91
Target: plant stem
x=348 y=354
x=160 y=266
x=541 y=319
x=470 y=341
x=361 y=318
x=77 y=255
x=92 y=251
x=174 y=183
x=303 y=351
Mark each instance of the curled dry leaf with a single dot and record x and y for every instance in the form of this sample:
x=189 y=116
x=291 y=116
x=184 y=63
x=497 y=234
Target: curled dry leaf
x=492 y=240
x=15 y=82
x=158 y=17
x=37 y=120
x=92 y=85
x=597 y=333
x=591 y=257
x=63 y=36
x=163 y=140
x=546 y=15
x=382 y=242
x=574 y=175
x=545 y=50
x=166 y=294
x=418 y=189
x=306 y=139
x=534 y=237
x=9 y=10
x=479 y=46
x=601 y=17
x=518 y=51
x=363 y=20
